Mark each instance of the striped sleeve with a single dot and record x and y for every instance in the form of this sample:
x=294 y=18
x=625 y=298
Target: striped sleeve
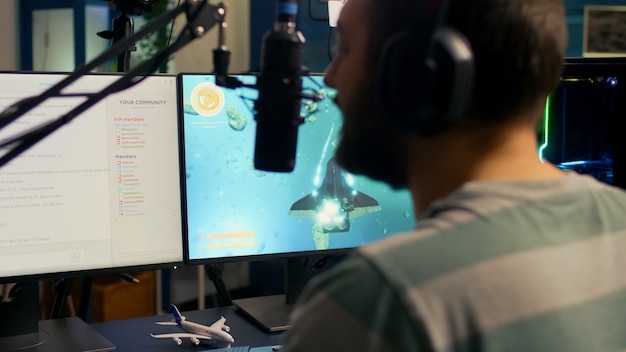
x=544 y=274
x=351 y=308
x=528 y=266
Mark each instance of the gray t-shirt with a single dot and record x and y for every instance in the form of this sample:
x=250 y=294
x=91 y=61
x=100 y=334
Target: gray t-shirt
x=495 y=266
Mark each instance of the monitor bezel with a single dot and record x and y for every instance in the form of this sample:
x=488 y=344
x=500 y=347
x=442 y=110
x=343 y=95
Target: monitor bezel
x=54 y=275
x=607 y=66
x=316 y=254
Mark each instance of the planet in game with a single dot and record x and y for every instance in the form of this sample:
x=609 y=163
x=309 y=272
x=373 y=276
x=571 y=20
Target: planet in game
x=207 y=99
x=236 y=120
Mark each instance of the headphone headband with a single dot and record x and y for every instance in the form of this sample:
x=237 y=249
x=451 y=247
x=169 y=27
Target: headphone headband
x=426 y=72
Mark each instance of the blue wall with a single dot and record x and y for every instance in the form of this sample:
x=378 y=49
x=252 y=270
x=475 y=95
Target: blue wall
x=313 y=22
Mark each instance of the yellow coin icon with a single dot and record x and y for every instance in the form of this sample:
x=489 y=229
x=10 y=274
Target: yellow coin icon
x=207 y=99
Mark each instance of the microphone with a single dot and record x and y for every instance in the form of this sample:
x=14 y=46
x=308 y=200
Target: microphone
x=221 y=58
x=280 y=91
x=221 y=54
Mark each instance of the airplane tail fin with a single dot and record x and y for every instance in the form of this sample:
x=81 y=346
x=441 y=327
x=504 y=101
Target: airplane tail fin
x=176 y=313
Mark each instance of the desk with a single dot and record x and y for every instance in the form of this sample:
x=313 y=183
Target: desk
x=133 y=335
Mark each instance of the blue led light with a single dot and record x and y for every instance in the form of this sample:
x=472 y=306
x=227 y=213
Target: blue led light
x=285 y=8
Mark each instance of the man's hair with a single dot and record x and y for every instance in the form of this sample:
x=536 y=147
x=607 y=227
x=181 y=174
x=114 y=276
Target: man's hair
x=519 y=48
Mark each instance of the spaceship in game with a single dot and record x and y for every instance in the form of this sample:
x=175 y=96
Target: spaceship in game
x=335 y=203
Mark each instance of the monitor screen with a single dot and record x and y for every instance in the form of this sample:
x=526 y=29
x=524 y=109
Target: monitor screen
x=584 y=117
x=235 y=212
x=101 y=193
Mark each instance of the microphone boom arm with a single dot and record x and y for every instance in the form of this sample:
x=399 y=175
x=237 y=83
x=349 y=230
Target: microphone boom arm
x=201 y=17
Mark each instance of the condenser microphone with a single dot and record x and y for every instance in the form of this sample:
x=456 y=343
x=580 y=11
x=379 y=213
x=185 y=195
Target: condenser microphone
x=221 y=59
x=280 y=91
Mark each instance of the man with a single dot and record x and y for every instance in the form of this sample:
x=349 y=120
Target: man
x=510 y=254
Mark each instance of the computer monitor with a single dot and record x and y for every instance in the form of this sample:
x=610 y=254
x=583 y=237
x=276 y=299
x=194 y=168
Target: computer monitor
x=100 y=195
x=237 y=213
x=585 y=117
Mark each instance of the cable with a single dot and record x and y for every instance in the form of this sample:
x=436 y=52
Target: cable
x=169 y=39
x=214 y=272
x=330 y=43
x=46 y=40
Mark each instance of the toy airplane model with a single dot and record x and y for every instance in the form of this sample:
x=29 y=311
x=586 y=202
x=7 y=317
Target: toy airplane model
x=334 y=203
x=216 y=335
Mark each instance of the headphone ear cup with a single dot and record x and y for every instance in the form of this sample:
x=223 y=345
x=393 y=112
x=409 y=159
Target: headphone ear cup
x=456 y=70
x=425 y=95
x=402 y=76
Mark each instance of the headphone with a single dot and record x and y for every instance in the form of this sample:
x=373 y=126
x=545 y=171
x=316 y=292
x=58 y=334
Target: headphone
x=426 y=73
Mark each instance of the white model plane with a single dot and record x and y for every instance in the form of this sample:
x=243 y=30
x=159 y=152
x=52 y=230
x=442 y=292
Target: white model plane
x=216 y=335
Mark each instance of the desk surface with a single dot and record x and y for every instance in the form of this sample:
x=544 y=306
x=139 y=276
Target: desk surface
x=134 y=334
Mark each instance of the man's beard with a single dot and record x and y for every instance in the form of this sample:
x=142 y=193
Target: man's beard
x=370 y=144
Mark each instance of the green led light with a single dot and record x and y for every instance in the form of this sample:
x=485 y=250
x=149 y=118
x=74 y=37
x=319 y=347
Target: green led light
x=546 y=119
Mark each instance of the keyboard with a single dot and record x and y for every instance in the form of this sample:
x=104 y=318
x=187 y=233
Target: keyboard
x=246 y=349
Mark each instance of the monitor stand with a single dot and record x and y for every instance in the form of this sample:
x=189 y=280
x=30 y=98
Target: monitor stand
x=272 y=312
x=67 y=334
x=21 y=331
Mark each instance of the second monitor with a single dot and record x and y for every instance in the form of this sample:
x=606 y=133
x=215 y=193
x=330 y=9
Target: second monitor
x=235 y=212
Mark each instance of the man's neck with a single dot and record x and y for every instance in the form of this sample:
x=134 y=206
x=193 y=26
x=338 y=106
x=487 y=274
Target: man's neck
x=441 y=164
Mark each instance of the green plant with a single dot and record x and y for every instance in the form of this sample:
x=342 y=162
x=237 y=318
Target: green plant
x=160 y=38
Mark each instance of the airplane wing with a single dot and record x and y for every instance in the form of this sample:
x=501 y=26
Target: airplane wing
x=307 y=207
x=363 y=204
x=168 y=323
x=180 y=335
x=304 y=208
x=218 y=325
